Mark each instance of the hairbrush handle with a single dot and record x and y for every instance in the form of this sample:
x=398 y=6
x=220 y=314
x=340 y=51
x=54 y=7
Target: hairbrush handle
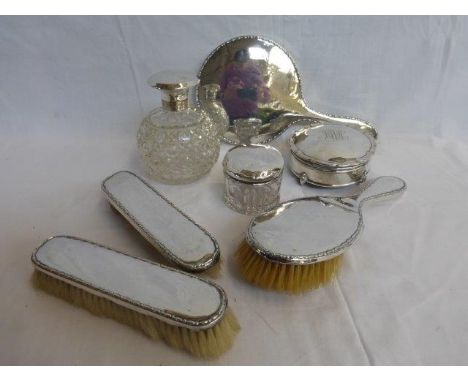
x=381 y=187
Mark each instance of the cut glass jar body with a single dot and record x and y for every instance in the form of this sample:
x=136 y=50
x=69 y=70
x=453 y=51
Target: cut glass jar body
x=252 y=172
x=251 y=198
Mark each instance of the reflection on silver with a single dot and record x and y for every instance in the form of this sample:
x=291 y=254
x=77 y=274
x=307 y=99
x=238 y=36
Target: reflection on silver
x=175 y=297
x=259 y=79
x=314 y=229
x=168 y=229
x=246 y=129
x=330 y=155
x=215 y=109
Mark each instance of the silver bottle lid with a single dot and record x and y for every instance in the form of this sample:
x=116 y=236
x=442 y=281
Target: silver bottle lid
x=334 y=146
x=211 y=91
x=253 y=163
x=173 y=80
x=175 y=87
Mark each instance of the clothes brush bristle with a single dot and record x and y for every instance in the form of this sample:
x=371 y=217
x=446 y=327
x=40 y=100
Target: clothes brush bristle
x=209 y=343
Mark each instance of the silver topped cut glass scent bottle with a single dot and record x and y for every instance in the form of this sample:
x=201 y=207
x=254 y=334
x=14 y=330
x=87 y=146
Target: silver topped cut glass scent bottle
x=215 y=108
x=252 y=172
x=177 y=144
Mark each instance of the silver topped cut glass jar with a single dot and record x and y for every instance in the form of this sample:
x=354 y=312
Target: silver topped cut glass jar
x=177 y=144
x=330 y=155
x=252 y=172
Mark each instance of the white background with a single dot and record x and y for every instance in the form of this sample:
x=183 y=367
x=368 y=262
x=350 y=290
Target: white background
x=72 y=94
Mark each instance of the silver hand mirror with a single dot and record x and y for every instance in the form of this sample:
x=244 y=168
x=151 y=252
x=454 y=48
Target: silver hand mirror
x=258 y=79
x=314 y=229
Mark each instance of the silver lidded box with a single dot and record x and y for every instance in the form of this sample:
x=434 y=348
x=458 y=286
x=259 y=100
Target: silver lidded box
x=330 y=155
x=252 y=172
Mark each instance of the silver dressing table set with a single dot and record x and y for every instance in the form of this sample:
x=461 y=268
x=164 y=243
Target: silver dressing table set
x=249 y=93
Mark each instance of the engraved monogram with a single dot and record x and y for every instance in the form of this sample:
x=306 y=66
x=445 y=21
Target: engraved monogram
x=333 y=136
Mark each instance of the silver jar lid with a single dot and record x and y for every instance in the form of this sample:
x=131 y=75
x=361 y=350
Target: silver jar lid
x=334 y=146
x=253 y=163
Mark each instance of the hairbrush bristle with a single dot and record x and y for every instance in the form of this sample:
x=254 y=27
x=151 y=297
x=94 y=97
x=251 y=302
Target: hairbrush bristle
x=284 y=277
x=209 y=343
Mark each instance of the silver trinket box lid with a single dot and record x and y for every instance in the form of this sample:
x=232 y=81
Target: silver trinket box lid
x=333 y=146
x=253 y=163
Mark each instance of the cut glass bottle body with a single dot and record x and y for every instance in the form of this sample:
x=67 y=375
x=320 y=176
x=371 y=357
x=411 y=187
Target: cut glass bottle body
x=177 y=144
x=215 y=109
